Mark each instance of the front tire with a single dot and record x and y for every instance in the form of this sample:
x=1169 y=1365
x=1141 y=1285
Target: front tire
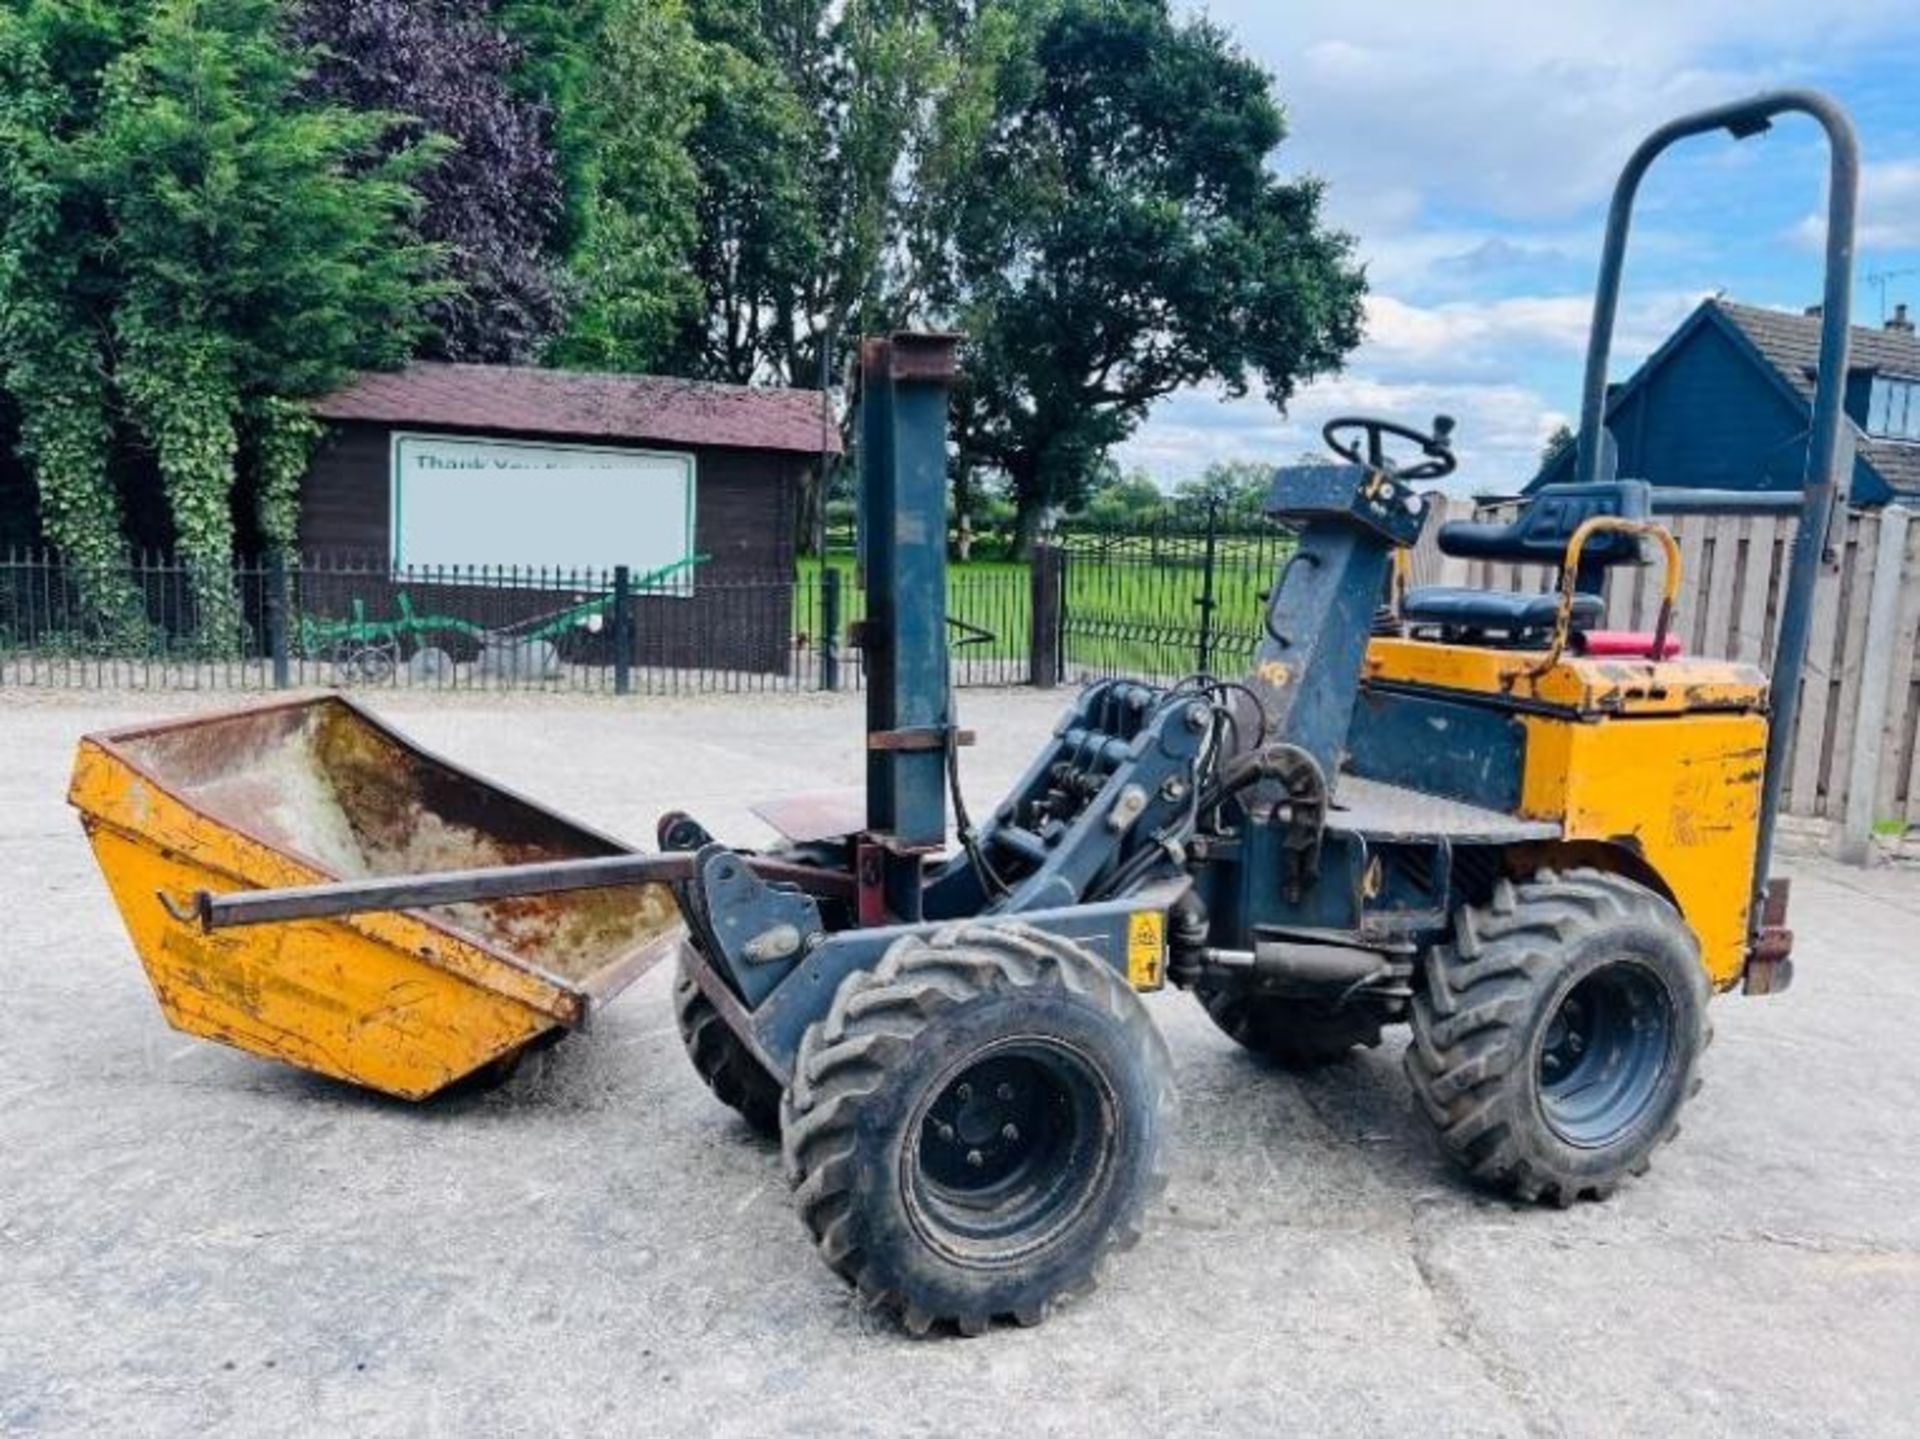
x=1559 y=1034
x=976 y=1124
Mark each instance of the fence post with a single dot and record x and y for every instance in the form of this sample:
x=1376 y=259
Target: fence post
x=1430 y=566
x=622 y=630
x=1044 y=657
x=829 y=624
x=277 y=616
x=1207 y=602
x=1876 y=671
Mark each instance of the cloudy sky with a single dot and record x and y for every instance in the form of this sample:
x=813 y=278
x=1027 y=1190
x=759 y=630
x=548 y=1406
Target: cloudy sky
x=1471 y=146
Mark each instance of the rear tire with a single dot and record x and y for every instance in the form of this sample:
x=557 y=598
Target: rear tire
x=976 y=1124
x=1292 y=1032
x=724 y=1064
x=1559 y=1035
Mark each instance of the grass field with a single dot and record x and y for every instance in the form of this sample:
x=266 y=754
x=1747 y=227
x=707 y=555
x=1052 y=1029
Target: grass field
x=1132 y=607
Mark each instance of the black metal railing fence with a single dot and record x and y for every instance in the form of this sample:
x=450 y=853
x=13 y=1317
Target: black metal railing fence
x=1159 y=602
x=1182 y=596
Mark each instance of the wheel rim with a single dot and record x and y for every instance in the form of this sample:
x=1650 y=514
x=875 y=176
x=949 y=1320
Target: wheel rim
x=1604 y=1054
x=1015 y=1145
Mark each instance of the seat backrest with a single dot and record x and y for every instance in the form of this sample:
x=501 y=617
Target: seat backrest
x=1538 y=535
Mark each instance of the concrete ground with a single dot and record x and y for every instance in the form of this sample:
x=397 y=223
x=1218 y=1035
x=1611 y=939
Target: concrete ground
x=194 y=1240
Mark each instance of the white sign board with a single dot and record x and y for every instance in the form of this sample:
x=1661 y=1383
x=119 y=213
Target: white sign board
x=460 y=502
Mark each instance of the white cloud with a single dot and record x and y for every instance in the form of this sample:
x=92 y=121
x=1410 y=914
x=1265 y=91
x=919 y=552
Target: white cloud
x=1437 y=261
x=1501 y=427
x=1463 y=358
x=1489 y=337
x=1399 y=258
x=1469 y=146
x=1511 y=33
x=1889 y=210
x=1515 y=107
x=1468 y=335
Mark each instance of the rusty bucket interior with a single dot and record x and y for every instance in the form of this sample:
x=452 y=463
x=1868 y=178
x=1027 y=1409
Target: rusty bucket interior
x=309 y=791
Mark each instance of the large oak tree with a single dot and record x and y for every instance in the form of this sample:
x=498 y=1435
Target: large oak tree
x=1121 y=234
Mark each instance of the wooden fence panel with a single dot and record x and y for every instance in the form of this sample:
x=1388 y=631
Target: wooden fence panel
x=1722 y=557
x=1816 y=694
x=1429 y=566
x=1894 y=792
x=1691 y=531
x=1785 y=528
x=1857 y=563
x=1909 y=738
x=1756 y=574
x=1619 y=596
x=1735 y=577
x=1645 y=587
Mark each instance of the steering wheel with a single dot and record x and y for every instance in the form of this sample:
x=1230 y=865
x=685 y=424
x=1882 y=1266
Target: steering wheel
x=1437 y=447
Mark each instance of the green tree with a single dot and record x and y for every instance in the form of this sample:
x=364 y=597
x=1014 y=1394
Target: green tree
x=815 y=119
x=751 y=185
x=814 y=116
x=693 y=171
x=633 y=207
x=1235 y=489
x=1120 y=235
x=687 y=155
x=54 y=294
x=560 y=55
x=986 y=48
x=1129 y=498
x=493 y=202
x=1562 y=438
x=189 y=250
x=759 y=150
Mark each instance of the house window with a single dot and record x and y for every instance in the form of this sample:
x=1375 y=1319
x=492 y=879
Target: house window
x=1893 y=409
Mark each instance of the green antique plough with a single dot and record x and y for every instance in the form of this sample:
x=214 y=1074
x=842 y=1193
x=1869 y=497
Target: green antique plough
x=368 y=651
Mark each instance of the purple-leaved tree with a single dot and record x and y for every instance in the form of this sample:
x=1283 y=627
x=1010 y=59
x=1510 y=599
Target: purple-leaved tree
x=494 y=202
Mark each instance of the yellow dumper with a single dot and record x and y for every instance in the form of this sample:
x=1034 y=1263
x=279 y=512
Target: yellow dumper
x=312 y=791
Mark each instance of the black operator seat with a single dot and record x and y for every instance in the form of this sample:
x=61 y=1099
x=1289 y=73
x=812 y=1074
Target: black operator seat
x=1538 y=535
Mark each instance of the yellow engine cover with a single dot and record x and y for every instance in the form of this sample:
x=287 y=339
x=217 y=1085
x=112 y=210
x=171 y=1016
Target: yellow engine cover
x=1597 y=687
x=1683 y=793
x=1665 y=760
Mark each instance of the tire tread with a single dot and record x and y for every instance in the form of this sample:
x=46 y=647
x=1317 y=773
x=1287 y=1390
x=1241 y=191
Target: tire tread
x=723 y=1063
x=1464 y=1049
x=843 y=1055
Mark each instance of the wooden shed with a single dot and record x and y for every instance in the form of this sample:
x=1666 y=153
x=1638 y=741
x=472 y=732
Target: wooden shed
x=440 y=468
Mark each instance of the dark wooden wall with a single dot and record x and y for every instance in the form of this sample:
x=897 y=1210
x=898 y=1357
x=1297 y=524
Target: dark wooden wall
x=1710 y=418
x=345 y=497
x=740 y=616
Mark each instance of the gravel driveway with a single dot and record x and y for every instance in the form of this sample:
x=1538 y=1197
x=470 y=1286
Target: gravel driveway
x=194 y=1240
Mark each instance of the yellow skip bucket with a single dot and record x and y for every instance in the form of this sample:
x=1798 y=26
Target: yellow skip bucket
x=314 y=790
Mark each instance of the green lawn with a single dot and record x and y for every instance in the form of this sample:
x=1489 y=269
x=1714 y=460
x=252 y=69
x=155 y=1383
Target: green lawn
x=1128 y=611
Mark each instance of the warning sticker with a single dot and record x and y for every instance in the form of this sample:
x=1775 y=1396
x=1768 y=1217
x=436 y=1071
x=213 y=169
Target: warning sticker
x=1146 y=949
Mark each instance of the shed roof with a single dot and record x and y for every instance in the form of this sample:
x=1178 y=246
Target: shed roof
x=524 y=400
